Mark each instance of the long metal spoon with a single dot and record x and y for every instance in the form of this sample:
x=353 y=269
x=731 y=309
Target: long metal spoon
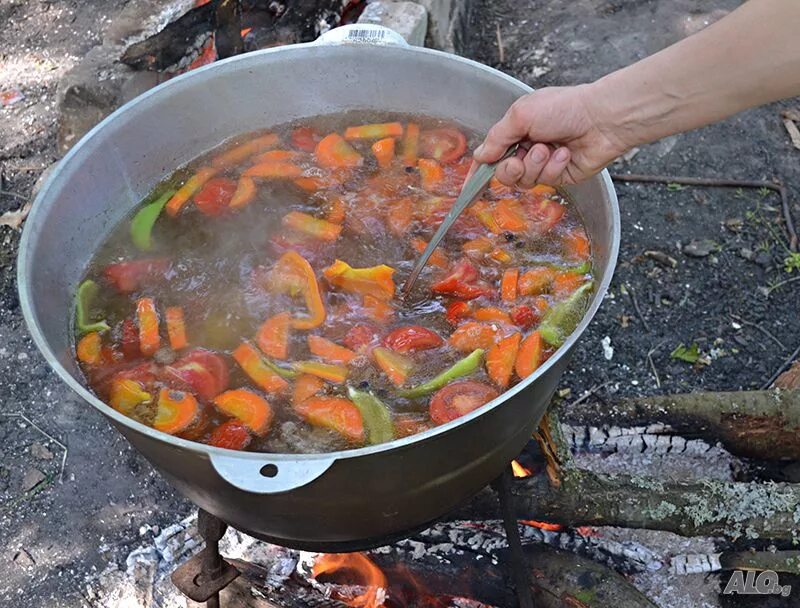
x=471 y=190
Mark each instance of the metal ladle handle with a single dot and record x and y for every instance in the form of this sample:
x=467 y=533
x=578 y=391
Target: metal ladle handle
x=471 y=190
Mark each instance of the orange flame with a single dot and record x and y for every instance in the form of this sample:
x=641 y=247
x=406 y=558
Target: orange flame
x=519 y=470
x=542 y=525
x=369 y=575
x=246 y=31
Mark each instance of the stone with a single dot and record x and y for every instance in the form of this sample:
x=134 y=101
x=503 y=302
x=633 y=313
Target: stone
x=700 y=248
x=443 y=16
x=41 y=452
x=408 y=19
x=23 y=559
x=32 y=479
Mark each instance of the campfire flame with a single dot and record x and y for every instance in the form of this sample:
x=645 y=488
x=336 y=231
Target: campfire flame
x=542 y=525
x=519 y=470
x=362 y=568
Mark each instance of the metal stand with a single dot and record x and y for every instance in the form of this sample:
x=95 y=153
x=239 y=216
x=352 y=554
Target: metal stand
x=206 y=574
x=519 y=564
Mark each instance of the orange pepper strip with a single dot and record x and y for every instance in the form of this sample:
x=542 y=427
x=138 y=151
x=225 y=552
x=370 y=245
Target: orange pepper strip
x=565 y=283
x=249 y=408
x=535 y=281
x=238 y=154
x=322 y=230
x=510 y=216
x=253 y=365
x=431 y=173
x=176 y=328
x=277 y=155
x=411 y=145
x=400 y=215
x=176 y=411
x=274 y=169
x=396 y=366
x=185 y=192
x=332 y=373
x=471 y=335
x=306 y=387
x=508 y=285
x=483 y=211
x=244 y=194
x=375 y=281
x=89 y=349
x=377 y=310
x=333 y=151
x=491 y=313
x=529 y=356
x=500 y=360
x=273 y=336
x=336 y=210
x=335 y=413
x=576 y=245
x=437 y=257
x=500 y=255
x=126 y=394
x=376 y=131
x=329 y=351
x=293 y=274
x=384 y=152
x=149 y=339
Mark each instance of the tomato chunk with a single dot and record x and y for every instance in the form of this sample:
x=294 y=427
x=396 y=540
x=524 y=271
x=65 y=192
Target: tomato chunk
x=360 y=336
x=232 y=435
x=129 y=276
x=462 y=282
x=215 y=196
x=201 y=371
x=459 y=398
x=445 y=145
x=412 y=338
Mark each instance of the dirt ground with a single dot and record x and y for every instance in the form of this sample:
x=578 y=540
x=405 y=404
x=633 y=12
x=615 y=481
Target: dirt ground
x=54 y=532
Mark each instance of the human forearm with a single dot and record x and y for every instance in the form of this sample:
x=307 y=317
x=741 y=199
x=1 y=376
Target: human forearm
x=748 y=58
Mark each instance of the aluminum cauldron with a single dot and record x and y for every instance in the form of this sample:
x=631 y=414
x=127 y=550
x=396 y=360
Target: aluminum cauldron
x=335 y=501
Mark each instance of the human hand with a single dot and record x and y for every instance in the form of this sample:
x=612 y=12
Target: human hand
x=565 y=138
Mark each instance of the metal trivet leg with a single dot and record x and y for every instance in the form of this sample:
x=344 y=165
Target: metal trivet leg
x=206 y=574
x=519 y=565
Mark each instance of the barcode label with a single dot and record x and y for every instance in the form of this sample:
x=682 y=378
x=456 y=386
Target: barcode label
x=366 y=35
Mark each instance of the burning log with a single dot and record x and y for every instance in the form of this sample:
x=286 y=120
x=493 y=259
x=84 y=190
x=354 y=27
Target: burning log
x=753 y=424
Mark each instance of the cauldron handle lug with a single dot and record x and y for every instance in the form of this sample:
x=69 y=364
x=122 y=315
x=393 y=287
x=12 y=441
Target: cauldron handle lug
x=366 y=34
x=268 y=477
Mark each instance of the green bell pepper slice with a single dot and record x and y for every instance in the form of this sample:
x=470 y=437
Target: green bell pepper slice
x=86 y=293
x=460 y=368
x=144 y=220
x=562 y=319
x=376 y=416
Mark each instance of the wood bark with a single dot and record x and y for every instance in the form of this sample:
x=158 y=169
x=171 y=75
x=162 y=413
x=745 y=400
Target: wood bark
x=753 y=424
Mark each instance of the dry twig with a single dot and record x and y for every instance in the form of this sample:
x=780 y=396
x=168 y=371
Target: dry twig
x=501 y=51
x=780 y=370
x=632 y=293
x=759 y=328
x=49 y=436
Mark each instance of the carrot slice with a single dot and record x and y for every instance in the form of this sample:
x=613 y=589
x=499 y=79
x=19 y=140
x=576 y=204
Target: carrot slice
x=510 y=215
x=483 y=211
x=244 y=194
x=332 y=373
x=576 y=245
x=400 y=215
x=185 y=192
x=411 y=145
x=277 y=155
x=274 y=169
x=176 y=328
x=253 y=365
x=335 y=210
x=529 y=356
x=333 y=151
x=306 y=387
x=126 y=394
x=376 y=131
x=149 y=339
x=500 y=255
x=251 y=409
x=375 y=281
x=501 y=358
x=89 y=348
x=378 y=310
x=535 y=281
x=472 y=335
x=273 y=336
x=508 y=285
x=329 y=351
x=437 y=257
x=312 y=226
x=396 y=366
x=384 y=152
x=491 y=313
x=239 y=153
x=335 y=413
x=176 y=411
x=431 y=173
x=566 y=283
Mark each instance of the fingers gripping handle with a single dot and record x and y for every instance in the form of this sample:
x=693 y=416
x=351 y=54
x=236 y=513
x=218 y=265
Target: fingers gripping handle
x=265 y=477
x=376 y=35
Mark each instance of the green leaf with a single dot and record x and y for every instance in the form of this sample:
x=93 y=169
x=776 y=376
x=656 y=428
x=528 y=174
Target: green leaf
x=144 y=220
x=673 y=187
x=689 y=355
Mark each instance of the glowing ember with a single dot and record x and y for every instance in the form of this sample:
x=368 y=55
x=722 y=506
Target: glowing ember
x=542 y=525
x=208 y=55
x=361 y=567
x=587 y=531
x=519 y=470
x=246 y=31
